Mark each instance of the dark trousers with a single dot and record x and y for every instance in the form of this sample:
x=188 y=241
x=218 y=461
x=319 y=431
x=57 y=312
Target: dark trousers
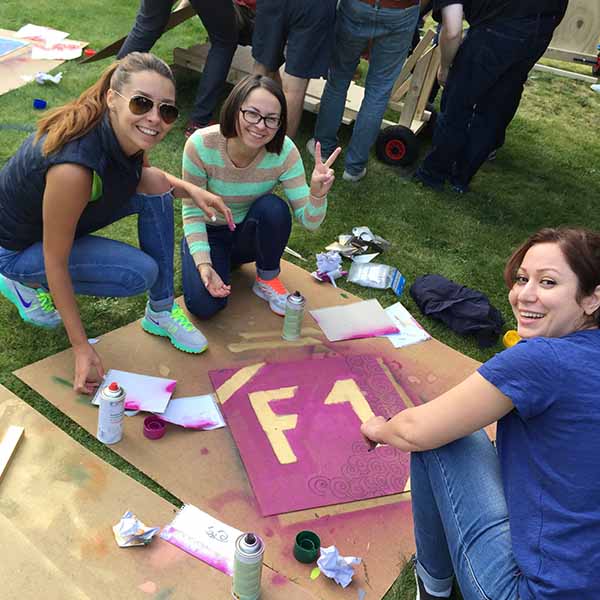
x=483 y=93
x=218 y=18
x=261 y=237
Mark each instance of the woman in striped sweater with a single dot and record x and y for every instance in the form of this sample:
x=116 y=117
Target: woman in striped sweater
x=242 y=160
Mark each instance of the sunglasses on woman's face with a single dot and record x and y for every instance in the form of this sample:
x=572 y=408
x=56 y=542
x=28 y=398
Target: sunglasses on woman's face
x=140 y=105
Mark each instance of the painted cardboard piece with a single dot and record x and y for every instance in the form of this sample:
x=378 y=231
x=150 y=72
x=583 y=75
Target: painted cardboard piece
x=204 y=468
x=296 y=425
x=58 y=502
x=18 y=66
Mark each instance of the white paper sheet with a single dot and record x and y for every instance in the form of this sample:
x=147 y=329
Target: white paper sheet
x=353 y=321
x=143 y=392
x=204 y=537
x=194 y=412
x=411 y=331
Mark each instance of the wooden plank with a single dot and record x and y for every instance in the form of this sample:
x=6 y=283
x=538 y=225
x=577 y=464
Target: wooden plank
x=416 y=84
x=563 y=73
x=568 y=56
x=580 y=29
x=430 y=78
x=7 y=447
x=411 y=61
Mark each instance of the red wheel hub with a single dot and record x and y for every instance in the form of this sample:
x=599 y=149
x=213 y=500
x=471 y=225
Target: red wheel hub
x=395 y=149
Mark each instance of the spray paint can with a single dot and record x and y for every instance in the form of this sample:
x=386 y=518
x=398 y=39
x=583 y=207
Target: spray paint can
x=110 y=413
x=247 y=567
x=294 y=313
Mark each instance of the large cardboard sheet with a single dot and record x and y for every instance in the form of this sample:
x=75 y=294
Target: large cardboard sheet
x=296 y=425
x=58 y=502
x=17 y=68
x=204 y=468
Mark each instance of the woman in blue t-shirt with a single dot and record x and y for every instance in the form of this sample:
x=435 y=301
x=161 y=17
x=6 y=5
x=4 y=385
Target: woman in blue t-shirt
x=523 y=522
x=86 y=167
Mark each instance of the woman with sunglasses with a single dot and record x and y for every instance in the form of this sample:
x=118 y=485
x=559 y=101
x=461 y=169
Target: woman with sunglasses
x=86 y=167
x=242 y=160
x=521 y=522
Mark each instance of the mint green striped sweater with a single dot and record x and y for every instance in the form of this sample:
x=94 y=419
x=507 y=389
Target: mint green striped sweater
x=207 y=165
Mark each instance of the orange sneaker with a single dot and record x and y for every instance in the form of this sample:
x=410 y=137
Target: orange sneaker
x=273 y=291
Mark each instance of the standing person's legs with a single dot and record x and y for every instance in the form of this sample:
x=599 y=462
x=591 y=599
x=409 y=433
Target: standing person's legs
x=528 y=39
x=392 y=34
x=461 y=521
x=476 y=69
x=220 y=23
x=351 y=38
x=310 y=25
x=269 y=37
x=150 y=22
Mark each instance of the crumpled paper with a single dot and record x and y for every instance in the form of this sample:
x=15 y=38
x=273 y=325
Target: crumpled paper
x=329 y=267
x=130 y=531
x=41 y=77
x=336 y=567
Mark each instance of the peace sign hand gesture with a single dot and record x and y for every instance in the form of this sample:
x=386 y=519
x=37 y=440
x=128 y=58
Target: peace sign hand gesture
x=322 y=176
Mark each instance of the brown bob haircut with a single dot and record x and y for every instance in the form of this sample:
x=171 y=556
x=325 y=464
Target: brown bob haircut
x=581 y=249
x=237 y=97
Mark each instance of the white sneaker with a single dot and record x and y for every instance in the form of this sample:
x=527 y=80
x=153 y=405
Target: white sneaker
x=354 y=178
x=274 y=292
x=595 y=87
x=310 y=146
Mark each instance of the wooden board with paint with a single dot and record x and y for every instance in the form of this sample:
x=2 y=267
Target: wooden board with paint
x=58 y=502
x=204 y=468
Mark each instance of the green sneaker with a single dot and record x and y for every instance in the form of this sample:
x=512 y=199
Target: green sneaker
x=177 y=327
x=34 y=305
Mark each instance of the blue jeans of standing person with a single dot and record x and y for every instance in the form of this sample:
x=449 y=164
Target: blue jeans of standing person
x=388 y=33
x=218 y=18
x=461 y=521
x=261 y=237
x=482 y=95
x=103 y=267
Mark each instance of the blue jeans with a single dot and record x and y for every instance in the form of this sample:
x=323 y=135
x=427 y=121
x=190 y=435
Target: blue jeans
x=482 y=94
x=388 y=32
x=461 y=520
x=261 y=237
x=103 y=267
x=218 y=18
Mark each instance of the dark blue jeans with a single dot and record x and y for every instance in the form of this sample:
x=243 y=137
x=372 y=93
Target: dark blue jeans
x=218 y=18
x=261 y=237
x=483 y=93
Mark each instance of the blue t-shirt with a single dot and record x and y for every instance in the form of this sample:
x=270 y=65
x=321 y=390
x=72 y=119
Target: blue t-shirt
x=549 y=450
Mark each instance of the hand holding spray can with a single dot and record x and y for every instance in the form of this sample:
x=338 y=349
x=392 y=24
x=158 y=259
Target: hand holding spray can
x=294 y=313
x=110 y=413
x=247 y=567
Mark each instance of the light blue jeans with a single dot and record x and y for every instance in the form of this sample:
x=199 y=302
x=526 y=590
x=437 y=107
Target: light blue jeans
x=461 y=520
x=388 y=32
x=100 y=266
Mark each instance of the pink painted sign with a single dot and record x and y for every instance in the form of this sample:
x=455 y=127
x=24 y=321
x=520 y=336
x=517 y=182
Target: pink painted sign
x=296 y=425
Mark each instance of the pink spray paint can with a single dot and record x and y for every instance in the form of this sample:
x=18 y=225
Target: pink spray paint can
x=110 y=413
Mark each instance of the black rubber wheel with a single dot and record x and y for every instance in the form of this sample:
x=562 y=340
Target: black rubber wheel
x=397 y=145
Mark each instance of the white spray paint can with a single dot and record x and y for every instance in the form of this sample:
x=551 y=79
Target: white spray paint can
x=110 y=413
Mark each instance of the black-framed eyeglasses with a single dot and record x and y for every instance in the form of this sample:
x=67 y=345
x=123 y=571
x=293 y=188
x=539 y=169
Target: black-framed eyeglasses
x=140 y=105
x=254 y=118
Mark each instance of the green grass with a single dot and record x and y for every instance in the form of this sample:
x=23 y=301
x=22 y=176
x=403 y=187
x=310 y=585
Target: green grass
x=547 y=174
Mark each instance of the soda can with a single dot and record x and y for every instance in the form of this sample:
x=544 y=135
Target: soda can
x=110 y=413
x=294 y=314
x=247 y=567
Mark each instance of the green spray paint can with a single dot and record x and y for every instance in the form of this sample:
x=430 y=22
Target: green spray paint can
x=247 y=566
x=294 y=314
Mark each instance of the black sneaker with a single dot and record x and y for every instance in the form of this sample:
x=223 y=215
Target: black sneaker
x=422 y=593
